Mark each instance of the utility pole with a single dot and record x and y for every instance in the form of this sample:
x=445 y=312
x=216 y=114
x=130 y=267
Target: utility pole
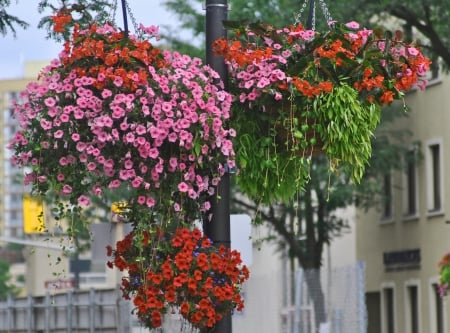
x=218 y=229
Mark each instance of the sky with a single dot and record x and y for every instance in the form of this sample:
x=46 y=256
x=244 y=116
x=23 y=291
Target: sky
x=31 y=44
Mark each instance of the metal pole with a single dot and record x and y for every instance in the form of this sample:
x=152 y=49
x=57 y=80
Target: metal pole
x=125 y=20
x=218 y=229
x=311 y=14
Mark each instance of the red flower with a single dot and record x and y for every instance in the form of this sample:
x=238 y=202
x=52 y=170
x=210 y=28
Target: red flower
x=156 y=318
x=184 y=308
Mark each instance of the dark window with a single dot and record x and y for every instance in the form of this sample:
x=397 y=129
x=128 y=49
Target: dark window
x=435 y=177
x=411 y=184
x=387 y=189
x=439 y=313
x=389 y=309
x=413 y=308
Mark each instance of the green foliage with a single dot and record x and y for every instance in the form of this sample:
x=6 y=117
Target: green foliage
x=6 y=288
x=430 y=18
x=8 y=21
x=346 y=126
x=84 y=12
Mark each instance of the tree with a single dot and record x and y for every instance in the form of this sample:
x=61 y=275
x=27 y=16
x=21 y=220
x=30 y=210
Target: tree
x=6 y=288
x=427 y=17
x=7 y=21
x=86 y=11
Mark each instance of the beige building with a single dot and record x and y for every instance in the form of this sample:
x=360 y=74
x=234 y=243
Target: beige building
x=11 y=188
x=402 y=241
x=47 y=268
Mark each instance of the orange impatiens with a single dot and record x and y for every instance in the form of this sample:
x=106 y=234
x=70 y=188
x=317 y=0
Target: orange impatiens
x=179 y=272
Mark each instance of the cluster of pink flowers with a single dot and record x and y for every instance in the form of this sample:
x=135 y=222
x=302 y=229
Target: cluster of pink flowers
x=136 y=118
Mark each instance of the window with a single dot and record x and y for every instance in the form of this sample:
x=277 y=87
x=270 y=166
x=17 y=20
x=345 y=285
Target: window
x=388 y=310
x=412 y=310
x=434 y=177
x=437 y=307
x=410 y=193
x=387 y=196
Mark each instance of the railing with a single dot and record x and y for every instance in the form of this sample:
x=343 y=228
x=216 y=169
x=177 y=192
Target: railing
x=82 y=311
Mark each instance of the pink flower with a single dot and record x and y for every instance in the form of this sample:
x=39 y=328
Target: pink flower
x=183 y=187
x=413 y=51
x=67 y=189
x=352 y=25
x=91 y=166
x=141 y=199
x=118 y=81
x=114 y=184
x=58 y=134
x=150 y=202
x=50 y=101
x=106 y=93
x=83 y=201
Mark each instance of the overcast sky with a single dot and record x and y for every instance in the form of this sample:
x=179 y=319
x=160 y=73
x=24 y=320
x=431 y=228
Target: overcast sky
x=31 y=44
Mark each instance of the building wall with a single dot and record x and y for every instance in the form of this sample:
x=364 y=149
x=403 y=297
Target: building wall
x=402 y=252
x=10 y=190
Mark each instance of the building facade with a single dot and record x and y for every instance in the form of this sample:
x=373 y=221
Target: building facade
x=402 y=240
x=11 y=188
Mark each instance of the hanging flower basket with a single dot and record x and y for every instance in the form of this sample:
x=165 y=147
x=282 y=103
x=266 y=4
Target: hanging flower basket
x=300 y=92
x=180 y=272
x=444 y=274
x=115 y=112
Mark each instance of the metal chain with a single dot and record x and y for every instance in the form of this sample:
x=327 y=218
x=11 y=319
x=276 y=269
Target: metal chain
x=313 y=21
x=133 y=19
x=113 y=11
x=299 y=14
x=323 y=6
x=325 y=11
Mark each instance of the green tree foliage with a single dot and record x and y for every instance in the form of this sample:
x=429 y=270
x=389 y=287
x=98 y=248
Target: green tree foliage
x=9 y=22
x=6 y=288
x=83 y=10
x=430 y=18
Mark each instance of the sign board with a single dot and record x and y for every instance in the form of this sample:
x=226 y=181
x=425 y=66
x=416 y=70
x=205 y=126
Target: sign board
x=33 y=214
x=60 y=284
x=402 y=260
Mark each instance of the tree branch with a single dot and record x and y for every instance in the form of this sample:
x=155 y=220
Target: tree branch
x=427 y=28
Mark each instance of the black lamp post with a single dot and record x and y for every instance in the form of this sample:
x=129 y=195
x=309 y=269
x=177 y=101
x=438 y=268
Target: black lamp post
x=218 y=229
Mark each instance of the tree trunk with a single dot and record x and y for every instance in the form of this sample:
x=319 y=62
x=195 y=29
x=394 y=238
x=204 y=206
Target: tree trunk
x=315 y=292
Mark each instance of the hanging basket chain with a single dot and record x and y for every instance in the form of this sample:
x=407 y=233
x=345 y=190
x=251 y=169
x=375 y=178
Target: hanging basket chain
x=298 y=17
x=130 y=13
x=113 y=11
x=312 y=13
x=325 y=11
x=126 y=11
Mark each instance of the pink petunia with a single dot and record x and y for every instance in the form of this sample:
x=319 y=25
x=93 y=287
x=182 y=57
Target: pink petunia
x=67 y=189
x=183 y=187
x=413 y=51
x=83 y=201
x=352 y=25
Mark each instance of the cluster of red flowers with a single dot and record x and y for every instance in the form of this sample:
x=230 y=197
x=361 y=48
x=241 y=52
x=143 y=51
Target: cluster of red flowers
x=102 y=48
x=181 y=273
x=60 y=20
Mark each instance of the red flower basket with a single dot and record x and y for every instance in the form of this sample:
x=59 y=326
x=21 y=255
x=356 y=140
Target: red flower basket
x=180 y=272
